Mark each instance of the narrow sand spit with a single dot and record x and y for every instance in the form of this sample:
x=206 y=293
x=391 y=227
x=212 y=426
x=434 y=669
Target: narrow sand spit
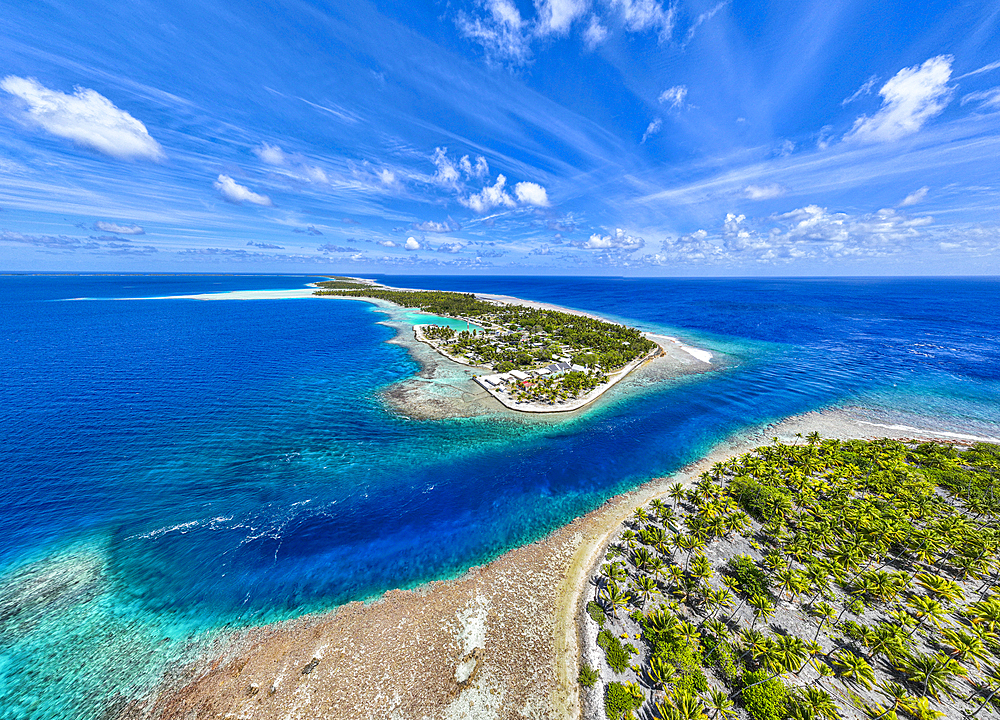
x=501 y=641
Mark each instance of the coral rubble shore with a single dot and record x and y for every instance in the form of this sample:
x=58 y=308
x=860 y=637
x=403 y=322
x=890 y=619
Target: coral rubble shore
x=501 y=641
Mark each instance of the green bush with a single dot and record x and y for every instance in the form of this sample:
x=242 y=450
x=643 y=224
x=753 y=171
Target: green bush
x=596 y=613
x=588 y=675
x=762 y=502
x=618 y=656
x=619 y=700
x=719 y=654
x=750 y=577
x=765 y=700
x=672 y=649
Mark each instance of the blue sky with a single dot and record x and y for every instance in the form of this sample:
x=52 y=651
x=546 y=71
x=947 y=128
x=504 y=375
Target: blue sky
x=633 y=137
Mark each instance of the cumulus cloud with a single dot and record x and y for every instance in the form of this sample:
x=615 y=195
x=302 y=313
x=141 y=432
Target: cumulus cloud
x=619 y=241
x=411 y=244
x=478 y=170
x=264 y=245
x=271 y=154
x=651 y=130
x=595 y=33
x=311 y=230
x=86 y=117
x=674 y=97
x=449 y=247
x=431 y=226
x=490 y=197
x=556 y=16
x=914 y=197
x=763 y=192
x=909 y=99
x=233 y=192
x=314 y=174
x=387 y=177
x=387 y=243
x=529 y=193
x=111 y=227
x=331 y=248
x=447 y=173
x=638 y=15
x=501 y=31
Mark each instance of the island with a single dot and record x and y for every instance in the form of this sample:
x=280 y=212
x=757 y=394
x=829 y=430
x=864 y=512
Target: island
x=537 y=359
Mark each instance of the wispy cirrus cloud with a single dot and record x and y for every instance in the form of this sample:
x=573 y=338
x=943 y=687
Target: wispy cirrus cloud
x=86 y=117
x=111 y=227
x=915 y=197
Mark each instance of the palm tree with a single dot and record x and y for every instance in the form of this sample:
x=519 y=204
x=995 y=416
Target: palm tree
x=899 y=699
x=751 y=641
x=646 y=587
x=818 y=701
x=720 y=702
x=925 y=608
x=718 y=628
x=676 y=492
x=762 y=608
x=854 y=668
x=825 y=614
x=963 y=647
x=932 y=673
x=615 y=597
x=992 y=679
x=940 y=588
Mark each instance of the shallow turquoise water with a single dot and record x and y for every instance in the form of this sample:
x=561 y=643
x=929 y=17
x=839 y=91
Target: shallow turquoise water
x=418 y=318
x=173 y=469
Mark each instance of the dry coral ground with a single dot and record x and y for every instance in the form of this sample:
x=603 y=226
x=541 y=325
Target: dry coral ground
x=825 y=579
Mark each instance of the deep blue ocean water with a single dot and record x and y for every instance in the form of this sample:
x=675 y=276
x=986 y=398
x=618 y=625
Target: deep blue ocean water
x=170 y=469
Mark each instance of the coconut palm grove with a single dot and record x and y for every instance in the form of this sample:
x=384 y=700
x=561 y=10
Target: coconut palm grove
x=823 y=579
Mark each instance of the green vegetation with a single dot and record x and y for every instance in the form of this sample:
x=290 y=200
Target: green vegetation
x=520 y=337
x=596 y=613
x=621 y=699
x=339 y=283
x=616 y=654
x=588 y=676
x=816 y=580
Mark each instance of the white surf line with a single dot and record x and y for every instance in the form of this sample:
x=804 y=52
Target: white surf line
x=907 y=428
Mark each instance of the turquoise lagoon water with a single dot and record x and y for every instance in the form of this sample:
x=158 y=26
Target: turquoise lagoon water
x=173 y=470
x=418 y=318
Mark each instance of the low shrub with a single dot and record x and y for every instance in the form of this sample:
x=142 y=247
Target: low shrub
x=615 y=653
x=764 y=700
x=749 y=575
x=596 y=613
x=588 y=675
x=620 y=701
x=719 y=654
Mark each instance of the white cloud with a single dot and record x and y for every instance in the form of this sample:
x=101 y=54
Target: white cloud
x=446 y=174
x=86 y=117
x=388 y=177
x=763 y=192
x=595 y=33
x=651 y=129
x=674 y=97
x=236 y=193
x=984 y=68
x=703 y=18
x=387 y=243
x=989 y=98
x=479 y=170
x=118 y=229
x=556 y=16
x=503 y=34
x=909 y=99
x=438 y=227
x=315 y=174
x=865 y=89
x=271 y=154
x=914 y=197
x=638 y=15
x=529 y=193
x=490 y=197
x=619 y=241
x=412 y=244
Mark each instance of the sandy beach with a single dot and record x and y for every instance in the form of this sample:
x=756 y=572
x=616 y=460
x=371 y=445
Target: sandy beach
x=501 y=641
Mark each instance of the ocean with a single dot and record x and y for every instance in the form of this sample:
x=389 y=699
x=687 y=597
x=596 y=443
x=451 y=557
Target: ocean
x=171 y=470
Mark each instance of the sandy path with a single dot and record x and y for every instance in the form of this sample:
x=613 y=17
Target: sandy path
x=513 y=622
